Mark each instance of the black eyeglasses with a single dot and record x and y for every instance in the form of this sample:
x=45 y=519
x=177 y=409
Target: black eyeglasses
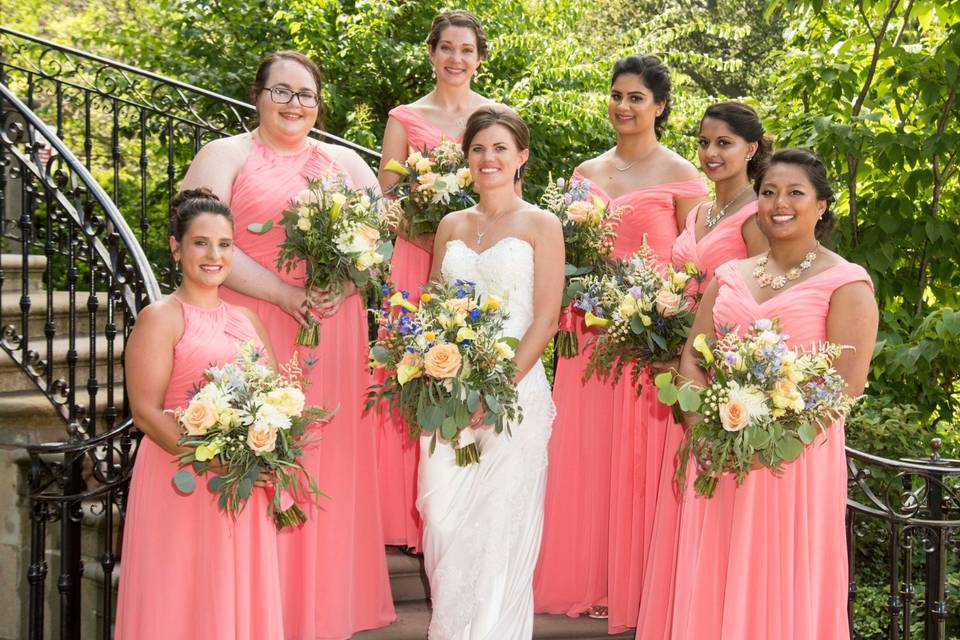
x=282 y=95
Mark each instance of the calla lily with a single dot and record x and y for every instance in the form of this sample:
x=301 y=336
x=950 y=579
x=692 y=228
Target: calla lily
x=396 y=167
x=397 y=300
x=207 y=451
x=466 y=333
x=407 y=372
x=593 y=321
x=338 y=200
x=700 y=344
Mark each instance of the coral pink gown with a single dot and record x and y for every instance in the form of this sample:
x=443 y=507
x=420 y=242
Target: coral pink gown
x=660 y=496
x=333 y=569
x=397 y=456
x=189 y=570
x=768 y=559
x=584 y=554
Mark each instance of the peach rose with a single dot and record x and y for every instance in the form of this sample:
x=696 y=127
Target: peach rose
x=580 y=211
x=428 y=180
x=669 y=302
x=368 y=233
x=262 y=440
x=442 y=361
x=460 y=305
x=734 y=414
x=199 y=417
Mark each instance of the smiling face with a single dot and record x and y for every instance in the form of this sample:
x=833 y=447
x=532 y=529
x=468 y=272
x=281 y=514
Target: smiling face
x=723 y=154
x=631 y=106
x=205 y=251
x=494 y=158
x=787 y=204
x=455 y=57
x=291 y=121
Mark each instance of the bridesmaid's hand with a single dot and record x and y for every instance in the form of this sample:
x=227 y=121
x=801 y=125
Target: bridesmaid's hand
x=328 y=303
x=671 y=366
x=295 y=301
x=265 y=480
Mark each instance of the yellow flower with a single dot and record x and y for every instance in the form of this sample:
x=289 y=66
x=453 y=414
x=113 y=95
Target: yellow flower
x=645 y=320
x=338 y=200
x=208 y=450
x=414 y=158
x=628 y=306
x=304 y=224
x=504 y=350
x=431 y=336
x=425 y=297
x=464 y=178
x=700 y=344
x=594 y=321
x=466 y=333
x=492 y=303
x=397 y=300
x=397 y=168
x=304 y=211
x=423 y=165
x=288 y=400
x=407 y=372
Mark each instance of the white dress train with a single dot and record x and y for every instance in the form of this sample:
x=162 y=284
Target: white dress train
x=482 y=523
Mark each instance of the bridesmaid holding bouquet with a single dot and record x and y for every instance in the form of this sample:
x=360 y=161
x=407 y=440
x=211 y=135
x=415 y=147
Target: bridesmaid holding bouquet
x=456 y=46
x=333 y=568
x=767 y=558
x=589 y=490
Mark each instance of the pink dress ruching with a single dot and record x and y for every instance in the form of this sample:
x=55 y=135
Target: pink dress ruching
x=333 y=568
x=397 y=456
x=767 y=559
x=661 y=495
x=590 y=538
x=189 y=570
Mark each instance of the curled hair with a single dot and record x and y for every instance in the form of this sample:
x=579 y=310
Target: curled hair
x=655 y=76
x=816 y=172
x=263 y=73
x=488 y=116
x=457 y=18
x=744 y=122
x=190 y=203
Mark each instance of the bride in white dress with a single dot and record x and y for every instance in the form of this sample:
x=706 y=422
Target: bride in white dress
x=483 y=522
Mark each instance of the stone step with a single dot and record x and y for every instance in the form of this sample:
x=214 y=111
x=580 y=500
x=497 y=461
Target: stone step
x=28 y=417
x=413 y=618
x=12 y=266
x=407 y=577
x=12 y=377
x=37 y=317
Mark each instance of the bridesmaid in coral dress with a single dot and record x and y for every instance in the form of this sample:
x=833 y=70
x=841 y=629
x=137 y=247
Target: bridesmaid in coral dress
x=767 y=559
x=456 y=46
x=582 y=547
x=333 y=569
x=732 y=148
x=190 y=570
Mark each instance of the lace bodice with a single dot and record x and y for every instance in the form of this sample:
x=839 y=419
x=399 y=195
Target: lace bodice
x=504 y=269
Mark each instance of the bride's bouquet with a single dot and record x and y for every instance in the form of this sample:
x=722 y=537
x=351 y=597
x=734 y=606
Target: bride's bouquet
x=339 y=234
x=249 y=419
x=589 y=230
x=432 y=183
x=764 y=403
x=648 y=314
x=443 y=359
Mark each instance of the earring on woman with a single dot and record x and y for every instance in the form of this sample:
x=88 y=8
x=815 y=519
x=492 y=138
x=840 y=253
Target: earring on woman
x=518 y=175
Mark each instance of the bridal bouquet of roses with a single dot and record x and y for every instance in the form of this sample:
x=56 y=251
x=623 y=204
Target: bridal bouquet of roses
x=250 y=420
x=589 y=230
x=648 y=315
x=443 y=359
x=432 y=183
x=763 y=404
x=339 y=234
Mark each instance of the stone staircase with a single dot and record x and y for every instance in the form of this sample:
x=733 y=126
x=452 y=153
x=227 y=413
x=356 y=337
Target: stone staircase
x=409 y=584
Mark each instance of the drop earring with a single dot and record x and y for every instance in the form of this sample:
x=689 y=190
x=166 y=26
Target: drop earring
x=517 y=179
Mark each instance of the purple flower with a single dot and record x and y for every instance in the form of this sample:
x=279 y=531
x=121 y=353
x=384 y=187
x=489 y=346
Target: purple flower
x=636 y=292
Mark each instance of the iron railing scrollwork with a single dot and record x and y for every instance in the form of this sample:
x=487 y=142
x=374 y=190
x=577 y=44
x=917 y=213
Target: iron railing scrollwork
x=60 y=230
x=909 y=512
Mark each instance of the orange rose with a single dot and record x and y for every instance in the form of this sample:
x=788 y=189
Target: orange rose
x=199 y=417
x=442 y=361
x=734 y=414
x=580 y=211
x=262 y=440
x=669 y=302
x=369 y=234
x=461 y=305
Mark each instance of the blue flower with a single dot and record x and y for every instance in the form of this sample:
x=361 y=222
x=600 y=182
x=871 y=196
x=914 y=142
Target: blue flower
x=385 y=290
x=461 y=293
x=405 y=294
x=475 y=314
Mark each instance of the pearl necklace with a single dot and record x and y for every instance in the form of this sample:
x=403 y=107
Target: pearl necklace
x=793 y=273
x=710 y=220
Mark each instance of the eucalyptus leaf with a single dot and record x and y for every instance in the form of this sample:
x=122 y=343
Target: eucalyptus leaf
x=791 y=447
x=185 y=481
x=689 y=398
x=260 y=227
x=807 y=432
x=668 y=395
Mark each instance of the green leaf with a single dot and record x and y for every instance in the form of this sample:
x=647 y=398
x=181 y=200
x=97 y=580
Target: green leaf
x=260 y=227
x=689 y=398
x=511 y=341
x=215 y=483
x=663 y=379
x=449 y=427
x=807 y=432
x=245 y=488
x=473 y=400
x=185 y=481
x=492 y=403
x=668 y=395
x=791 y=447
x=636 y=325
x=759 y=438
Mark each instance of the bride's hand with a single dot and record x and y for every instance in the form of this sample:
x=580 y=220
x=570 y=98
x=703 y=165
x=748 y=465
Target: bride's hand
x=476 y=420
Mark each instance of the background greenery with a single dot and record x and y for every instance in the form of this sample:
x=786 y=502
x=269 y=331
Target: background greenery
x=869 y=84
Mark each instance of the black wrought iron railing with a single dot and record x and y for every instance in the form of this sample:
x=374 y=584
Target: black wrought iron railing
x=58 y=225
x=138 y=131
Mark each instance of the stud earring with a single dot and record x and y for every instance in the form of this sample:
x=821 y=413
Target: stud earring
x=749 y=158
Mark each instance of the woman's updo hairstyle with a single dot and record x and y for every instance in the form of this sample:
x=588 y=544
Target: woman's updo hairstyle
x=263 y=74
x=655 y=76
x=816 y=172
x=486 y=117
x=744 y=122
x=190 y=203
x=457 y=18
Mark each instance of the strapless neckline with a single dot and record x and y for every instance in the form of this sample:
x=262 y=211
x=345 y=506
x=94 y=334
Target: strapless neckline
x=493 y=246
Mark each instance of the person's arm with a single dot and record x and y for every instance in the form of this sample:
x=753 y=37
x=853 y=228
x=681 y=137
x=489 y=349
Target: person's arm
x=754 y=239
x=443 y=235
x=148 y=364
x=395 y=147
x=683 y=206
x=548 y=263
x=215 y=167
x=703 y=323
x=852 y=321
x=262 y=334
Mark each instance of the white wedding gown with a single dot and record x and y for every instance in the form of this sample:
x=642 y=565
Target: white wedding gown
x=482 y=523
